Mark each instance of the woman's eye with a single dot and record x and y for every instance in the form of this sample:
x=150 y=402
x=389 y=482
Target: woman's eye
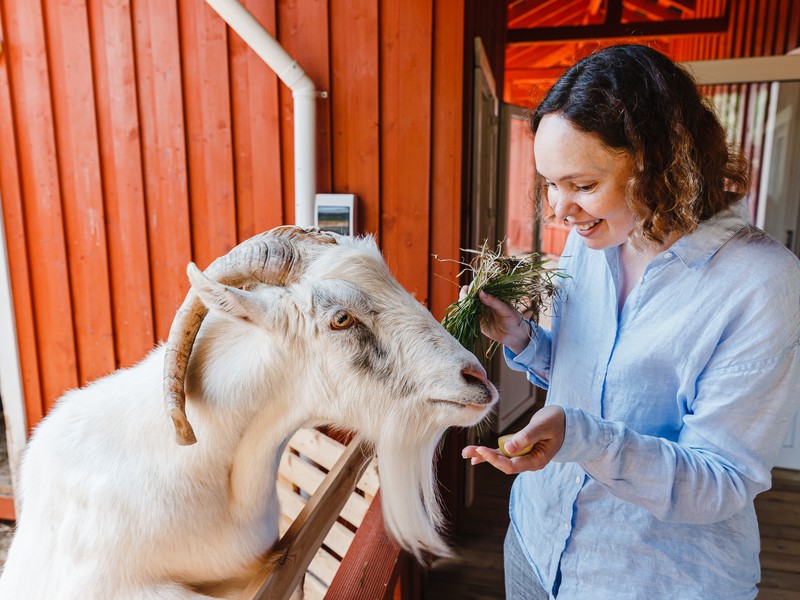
x=342 y=320
x=587 y=188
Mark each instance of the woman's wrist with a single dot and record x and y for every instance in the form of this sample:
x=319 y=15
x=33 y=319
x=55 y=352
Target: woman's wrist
x=519 y=340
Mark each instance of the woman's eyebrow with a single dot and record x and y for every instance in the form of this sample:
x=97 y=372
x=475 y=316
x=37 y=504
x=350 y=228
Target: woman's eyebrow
x=578 y=175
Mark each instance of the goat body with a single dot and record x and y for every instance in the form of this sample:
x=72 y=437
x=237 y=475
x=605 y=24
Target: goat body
x=110 y=507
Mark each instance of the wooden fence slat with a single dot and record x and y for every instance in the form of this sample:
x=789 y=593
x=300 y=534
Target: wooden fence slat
x=299 y=472
x=324 y=451
x=158 y=73
x=314 y=588
x=324 y=566
x=406 y=59
x=337 y=539
x=19 y=271
x=123 y=184
x=28 y=74
x=256 y=132
x=355 y=110
x=320 y=448
x=67 y=29
x=204 y=57
x=294 y=551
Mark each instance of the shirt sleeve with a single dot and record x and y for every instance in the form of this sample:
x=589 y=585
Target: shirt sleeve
x=724 y=453
x=534 y=359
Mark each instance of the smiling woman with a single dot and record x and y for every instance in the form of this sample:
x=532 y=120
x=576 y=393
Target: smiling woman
x=676 y=316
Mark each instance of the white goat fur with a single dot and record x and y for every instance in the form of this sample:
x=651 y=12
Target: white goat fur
x=112 y=508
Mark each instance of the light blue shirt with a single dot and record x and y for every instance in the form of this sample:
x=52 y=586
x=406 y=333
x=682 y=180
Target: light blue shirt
x=676 y=409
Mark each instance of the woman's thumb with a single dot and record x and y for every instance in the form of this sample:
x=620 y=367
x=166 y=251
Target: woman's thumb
x=514 y=444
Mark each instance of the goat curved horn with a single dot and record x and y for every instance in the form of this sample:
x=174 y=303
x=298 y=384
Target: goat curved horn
x=271 y=257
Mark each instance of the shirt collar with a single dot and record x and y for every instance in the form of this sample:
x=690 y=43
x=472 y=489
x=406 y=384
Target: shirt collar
x=695 y=248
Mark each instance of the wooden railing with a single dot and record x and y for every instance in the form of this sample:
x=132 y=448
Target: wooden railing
x=319 y=550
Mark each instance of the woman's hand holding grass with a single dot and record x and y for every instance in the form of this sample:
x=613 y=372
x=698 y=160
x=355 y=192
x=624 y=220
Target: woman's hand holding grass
x=504 y=324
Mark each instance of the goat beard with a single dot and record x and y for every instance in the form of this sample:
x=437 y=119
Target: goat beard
x=412 y=508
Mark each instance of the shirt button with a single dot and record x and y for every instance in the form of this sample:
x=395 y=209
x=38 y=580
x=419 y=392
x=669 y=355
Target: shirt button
x=667 y=254
x=566 y=524
x=578 y=479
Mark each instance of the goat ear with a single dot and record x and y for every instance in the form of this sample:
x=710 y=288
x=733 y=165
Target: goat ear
x=232 y=302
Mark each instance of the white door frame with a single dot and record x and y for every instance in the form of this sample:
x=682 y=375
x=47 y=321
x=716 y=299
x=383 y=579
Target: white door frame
x=11 y=388
x=759 y=69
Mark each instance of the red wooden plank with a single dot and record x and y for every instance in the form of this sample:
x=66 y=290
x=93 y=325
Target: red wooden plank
x=757 y=35
x=303 y=31
x=406 y=59
x=19 y=272
x=256 y=132
x=158 y=73
x=355 y=110
x=123 y=180
x=67 y=27
x=447 y=140
x=204 y=51
x=742 y=29
x=793 y=23
x=7 y=512
x=25 y=47
x=779 y=27
x=372 y=564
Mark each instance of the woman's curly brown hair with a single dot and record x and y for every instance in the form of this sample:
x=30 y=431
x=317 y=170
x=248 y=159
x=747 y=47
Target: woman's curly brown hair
x=637 y=100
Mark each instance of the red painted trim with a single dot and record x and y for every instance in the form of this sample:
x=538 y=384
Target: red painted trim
x=7 y=512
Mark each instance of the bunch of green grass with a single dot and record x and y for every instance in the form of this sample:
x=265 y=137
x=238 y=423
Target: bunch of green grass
x=525 y=282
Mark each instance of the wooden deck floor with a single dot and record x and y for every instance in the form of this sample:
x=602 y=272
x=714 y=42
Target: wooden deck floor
x=477 y=573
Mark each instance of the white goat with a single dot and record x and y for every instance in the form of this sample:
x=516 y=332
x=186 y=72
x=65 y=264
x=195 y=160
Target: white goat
x=112 y=508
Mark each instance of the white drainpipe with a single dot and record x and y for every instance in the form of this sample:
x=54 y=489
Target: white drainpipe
x=286 y=68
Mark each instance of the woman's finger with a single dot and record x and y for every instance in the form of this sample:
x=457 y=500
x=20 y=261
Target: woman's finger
x=497 y=460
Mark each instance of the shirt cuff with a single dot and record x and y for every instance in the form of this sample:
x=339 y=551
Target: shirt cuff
x=585 y=437
x=520 y=362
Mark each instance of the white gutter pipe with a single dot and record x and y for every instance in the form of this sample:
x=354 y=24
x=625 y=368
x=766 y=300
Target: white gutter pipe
x=286 y=68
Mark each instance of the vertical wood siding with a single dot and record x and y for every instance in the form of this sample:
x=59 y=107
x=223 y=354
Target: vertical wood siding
x=139 y=136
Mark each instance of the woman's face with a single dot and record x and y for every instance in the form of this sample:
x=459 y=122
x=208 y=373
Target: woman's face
x=585 y=182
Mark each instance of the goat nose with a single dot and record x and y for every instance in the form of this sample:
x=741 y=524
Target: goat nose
x=475 y=376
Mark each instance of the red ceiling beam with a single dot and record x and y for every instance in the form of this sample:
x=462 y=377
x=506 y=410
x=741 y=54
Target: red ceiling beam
x=682 y=5
x=652 y=10
x=571 y=33
x=527 y=11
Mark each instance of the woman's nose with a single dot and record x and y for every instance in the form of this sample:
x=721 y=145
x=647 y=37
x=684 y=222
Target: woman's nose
x=563 y=207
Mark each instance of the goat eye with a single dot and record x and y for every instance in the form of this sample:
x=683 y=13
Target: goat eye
x=342 y=320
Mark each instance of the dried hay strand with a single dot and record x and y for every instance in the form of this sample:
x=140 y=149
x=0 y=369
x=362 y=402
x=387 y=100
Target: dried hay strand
x=524 y=282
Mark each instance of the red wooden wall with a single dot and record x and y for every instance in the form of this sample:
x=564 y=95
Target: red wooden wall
x=137 y=136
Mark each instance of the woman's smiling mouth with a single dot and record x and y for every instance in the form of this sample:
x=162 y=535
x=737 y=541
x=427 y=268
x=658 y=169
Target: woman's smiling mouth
x=584 y=226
